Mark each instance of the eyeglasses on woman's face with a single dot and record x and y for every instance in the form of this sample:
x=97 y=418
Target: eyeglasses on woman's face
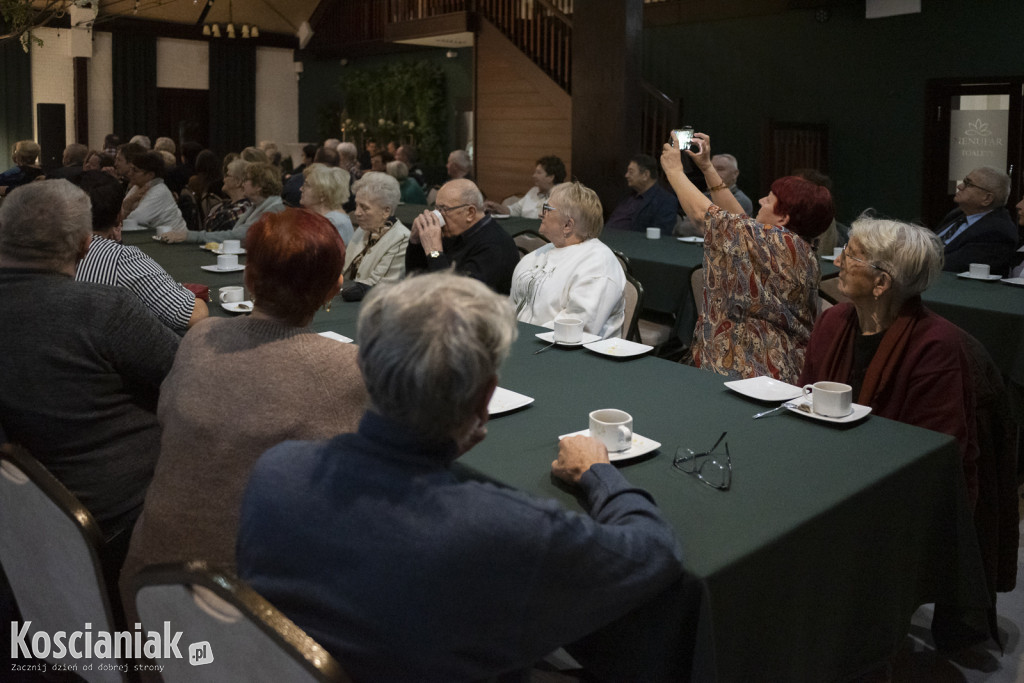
x=847 y=255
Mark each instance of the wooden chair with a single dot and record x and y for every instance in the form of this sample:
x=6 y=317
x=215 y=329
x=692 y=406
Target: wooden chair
x=529 y=240
x=634 y=296
x=50 y=548
x=248 y=638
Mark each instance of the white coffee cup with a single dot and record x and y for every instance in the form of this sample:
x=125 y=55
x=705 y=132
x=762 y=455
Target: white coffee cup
x=836 y=252
x=830 y=399
x=230 y=295
x=225 y=261
x=654 y=233
x=231 y=247
x=440 y=216
x=613 y=428
x=129 y=224
x=980 y=270
x=568 y=330
x=161 y=229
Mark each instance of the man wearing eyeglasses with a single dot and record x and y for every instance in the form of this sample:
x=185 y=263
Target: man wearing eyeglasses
x=980 y=230
x=466 y=238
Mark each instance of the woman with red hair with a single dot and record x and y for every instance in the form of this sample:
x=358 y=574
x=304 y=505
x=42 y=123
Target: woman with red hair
x=761 y=274
x=241 y=385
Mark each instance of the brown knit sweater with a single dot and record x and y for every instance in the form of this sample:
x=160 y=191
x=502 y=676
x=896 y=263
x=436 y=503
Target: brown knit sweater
x=238 y=386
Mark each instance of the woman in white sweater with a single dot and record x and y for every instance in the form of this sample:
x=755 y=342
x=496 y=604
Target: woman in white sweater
x=576 y=276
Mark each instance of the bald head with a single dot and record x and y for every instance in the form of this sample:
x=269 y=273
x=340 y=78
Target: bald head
x=465 y=195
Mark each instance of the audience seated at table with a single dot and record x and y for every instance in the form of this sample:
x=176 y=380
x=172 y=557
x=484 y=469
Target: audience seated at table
x=149 y=202
x=262 y=186
x=412 y=192
x=405 y=572
x=25 y=156
x=81 y=363
x=72 y=160
x=325 y=191
x=901 y=359
x=576 y=275
x=649 y=205
x=377 y=251
x=241 y=385
x=99 y=161
x=550 y=171
x=980 y=229
x=761 y=274
x=468 y=240
x=109 y=262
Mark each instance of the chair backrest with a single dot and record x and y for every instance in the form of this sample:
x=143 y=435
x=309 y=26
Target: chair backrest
x=529 y=240
x=50 y=551
x=189 y=207
x=697 y=288
x=633 y=293
x=247 y=637
x=828 y=288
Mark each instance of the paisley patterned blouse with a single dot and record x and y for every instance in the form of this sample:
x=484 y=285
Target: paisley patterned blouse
x=760 y=299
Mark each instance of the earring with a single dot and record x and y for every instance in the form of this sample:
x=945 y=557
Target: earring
x=327 y=306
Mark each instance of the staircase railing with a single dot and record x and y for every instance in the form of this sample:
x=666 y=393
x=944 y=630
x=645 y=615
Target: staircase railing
x=542 y=29
x=659 y=114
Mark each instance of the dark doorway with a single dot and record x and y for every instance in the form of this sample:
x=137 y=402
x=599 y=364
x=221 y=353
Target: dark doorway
x=970 y=124
x=183 y=115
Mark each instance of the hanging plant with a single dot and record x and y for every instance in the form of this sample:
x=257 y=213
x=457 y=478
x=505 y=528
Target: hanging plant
x=403 y=101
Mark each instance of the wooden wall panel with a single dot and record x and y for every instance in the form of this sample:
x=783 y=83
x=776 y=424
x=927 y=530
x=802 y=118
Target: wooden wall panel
x=521 y=115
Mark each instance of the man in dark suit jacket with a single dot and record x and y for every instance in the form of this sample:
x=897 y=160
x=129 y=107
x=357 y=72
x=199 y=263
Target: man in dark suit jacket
x=980 y=230
x=649 y=205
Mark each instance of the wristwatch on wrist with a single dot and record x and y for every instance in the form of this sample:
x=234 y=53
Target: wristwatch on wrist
x=435 y=254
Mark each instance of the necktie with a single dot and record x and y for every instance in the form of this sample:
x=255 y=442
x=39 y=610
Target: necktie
x=948 y=233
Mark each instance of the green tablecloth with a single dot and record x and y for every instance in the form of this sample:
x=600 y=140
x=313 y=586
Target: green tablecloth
x=808 y=569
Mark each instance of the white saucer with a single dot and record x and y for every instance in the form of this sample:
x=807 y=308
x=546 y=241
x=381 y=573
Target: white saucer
x=858 y=412
x=240 y=252
x=765 y=389
x=336 y=337
x=968 y=276
x=691 y=240
x=828 y=257
x=1019 y=281
x=618 y=347
x=501 y=216
x=218 y=269
x=506 y=400
x=237 y=306
x=550 y=337
x=641 y=446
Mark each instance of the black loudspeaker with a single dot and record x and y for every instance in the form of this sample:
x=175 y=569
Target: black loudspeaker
x=52 y=135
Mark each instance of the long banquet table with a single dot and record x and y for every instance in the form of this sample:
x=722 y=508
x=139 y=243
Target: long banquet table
x=808 y=569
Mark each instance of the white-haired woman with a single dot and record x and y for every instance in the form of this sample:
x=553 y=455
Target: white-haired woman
x=901 y=359
x=224 y=215
x=376 y=252
x=325 y=191
x=576 y=275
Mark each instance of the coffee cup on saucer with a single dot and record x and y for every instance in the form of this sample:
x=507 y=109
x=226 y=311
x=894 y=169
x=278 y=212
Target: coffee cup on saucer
x=980 y=270
x=231 y=247
x=613 y=428
x=227 y=261
x=830 y=399
x=568 y=331
x=230 y=295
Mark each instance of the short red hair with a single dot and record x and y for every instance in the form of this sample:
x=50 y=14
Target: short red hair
x=808 y=205
x=293 y=260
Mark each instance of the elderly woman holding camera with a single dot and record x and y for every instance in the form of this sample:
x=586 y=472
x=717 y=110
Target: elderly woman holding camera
x=576 y=275
x=306 y=387
x=760 y=274
x=325 y=191
x=377 y=250
x=262 y=187
x=901 y=359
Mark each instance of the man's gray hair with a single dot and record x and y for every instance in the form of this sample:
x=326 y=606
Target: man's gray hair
x=461 y=158
x=995 y=181
x=142 y=140
x=429 y=346
x=346 y=150
x=165 y=145
x=468 y=193
x=45 y=223
x=379 y=188
x=912 y=255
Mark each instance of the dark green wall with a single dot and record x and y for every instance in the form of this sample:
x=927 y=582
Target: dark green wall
x=864 y=78
x=319 y=84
